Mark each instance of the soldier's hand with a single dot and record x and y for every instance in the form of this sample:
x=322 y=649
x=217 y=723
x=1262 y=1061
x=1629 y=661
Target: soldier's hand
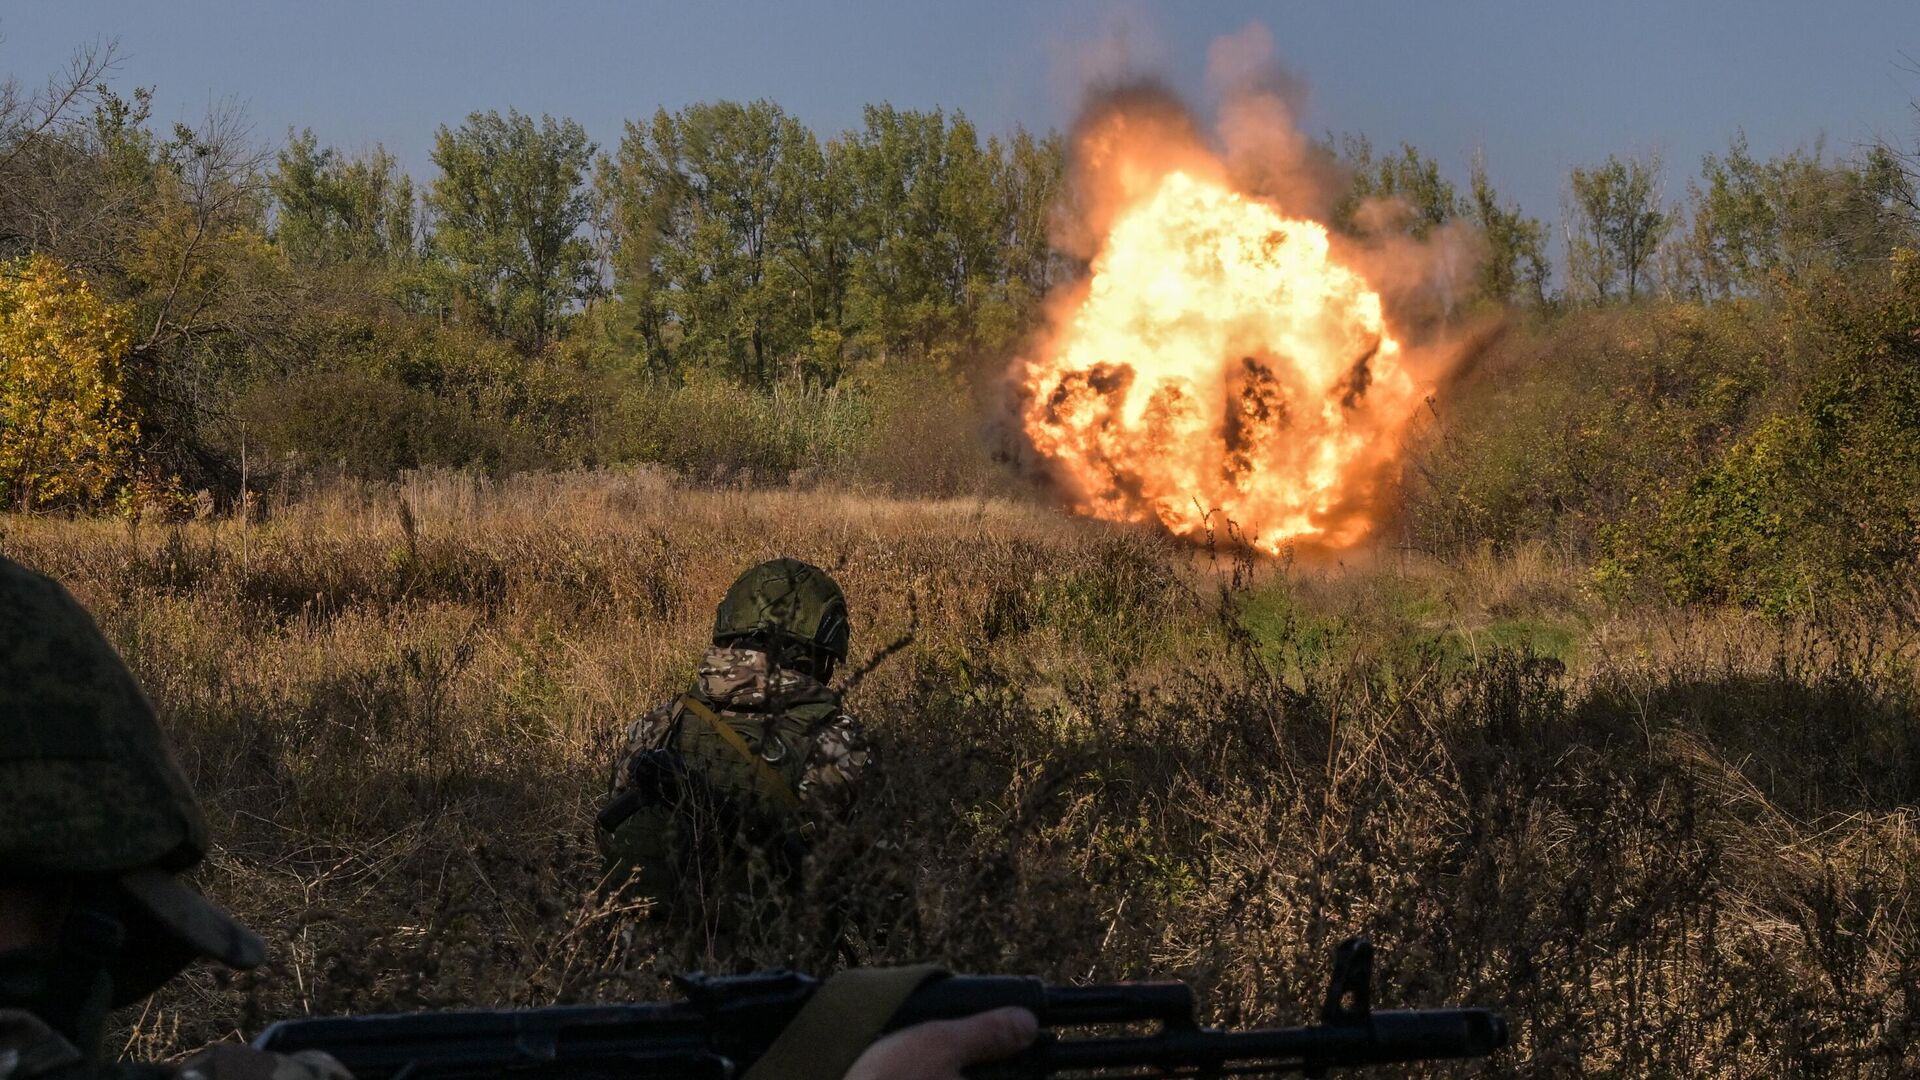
x=939 y=1049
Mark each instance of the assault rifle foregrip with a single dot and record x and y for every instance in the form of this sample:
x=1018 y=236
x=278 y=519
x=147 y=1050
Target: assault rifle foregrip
x=725 y=1024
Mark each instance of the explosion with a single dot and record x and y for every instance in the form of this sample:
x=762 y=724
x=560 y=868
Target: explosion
x=1219 y=363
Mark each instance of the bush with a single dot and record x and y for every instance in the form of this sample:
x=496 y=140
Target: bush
x=369 y=426
x=708 y=428
x=64 y=436
x=395 y=394
x=1757 y=453
x=1559 y=429
x=925 y=433
x=1821 y=499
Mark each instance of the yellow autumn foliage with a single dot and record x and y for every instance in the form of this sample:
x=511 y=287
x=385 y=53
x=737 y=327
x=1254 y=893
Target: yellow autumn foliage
x=65 y=437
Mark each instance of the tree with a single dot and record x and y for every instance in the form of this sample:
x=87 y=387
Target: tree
x=1753 y=220
x=329 y=209
x=1030 y=186
x=724 y=221
x=1614 y=225
x=1515 y=267
x=744 y=244
x=507 y=209
x=929 y=224
x=169 y=224
x=36 y=131
x=1401 y=192
x=64 y=436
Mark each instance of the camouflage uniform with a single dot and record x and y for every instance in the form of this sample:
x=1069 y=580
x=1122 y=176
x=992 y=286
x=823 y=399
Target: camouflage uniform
x=717 y=791
x=96 y=821
x=743 y=688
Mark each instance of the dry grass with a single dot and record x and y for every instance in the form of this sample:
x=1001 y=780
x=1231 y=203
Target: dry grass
x=1668 y=842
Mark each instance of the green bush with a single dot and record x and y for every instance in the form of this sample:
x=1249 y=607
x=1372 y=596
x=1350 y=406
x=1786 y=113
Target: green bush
x=1824 y=497
x=1760 y=453
x=1559 y=429
x=925 y=432
x=392 y=394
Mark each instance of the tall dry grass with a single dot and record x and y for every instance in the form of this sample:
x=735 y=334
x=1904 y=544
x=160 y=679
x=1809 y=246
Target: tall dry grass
x=1667 y=842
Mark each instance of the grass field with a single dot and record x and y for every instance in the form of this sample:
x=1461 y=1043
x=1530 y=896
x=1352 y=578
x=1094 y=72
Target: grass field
x=1668 y=842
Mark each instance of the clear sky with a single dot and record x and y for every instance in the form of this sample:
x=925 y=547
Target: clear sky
x=1536 y=87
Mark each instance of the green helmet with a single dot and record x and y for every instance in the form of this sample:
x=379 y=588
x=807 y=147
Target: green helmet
x=785 y=599
x=89 y=791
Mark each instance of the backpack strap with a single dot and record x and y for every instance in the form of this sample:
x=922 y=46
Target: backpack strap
x=775 y=783
x=842 y=1018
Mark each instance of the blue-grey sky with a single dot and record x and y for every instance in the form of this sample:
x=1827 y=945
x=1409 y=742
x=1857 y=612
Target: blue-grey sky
x=1537 y=87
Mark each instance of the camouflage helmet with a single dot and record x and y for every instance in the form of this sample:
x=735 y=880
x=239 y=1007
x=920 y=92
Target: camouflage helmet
x=89 y=791
x=788 y=599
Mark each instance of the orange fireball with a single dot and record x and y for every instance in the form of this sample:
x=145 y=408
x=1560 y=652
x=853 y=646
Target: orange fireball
x=1220 y=364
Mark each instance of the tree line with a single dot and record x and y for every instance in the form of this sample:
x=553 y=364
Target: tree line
x=543 y=300
x=724 y=236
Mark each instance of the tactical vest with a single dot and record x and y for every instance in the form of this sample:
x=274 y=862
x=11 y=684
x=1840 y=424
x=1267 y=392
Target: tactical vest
x=714 y=813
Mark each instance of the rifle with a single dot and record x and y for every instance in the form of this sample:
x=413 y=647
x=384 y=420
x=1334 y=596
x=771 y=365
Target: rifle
x=726 y=1023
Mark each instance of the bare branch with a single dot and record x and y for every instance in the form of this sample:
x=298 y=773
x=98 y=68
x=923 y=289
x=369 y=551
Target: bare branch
x=24 y=121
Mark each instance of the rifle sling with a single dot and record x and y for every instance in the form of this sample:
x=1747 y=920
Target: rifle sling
x=842 y=1018
x=774 y=781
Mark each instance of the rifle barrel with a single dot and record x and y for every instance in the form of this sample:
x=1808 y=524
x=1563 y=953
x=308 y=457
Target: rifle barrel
x=1390 y=1036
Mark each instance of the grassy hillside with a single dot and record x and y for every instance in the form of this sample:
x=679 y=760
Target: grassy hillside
x=1668 y=841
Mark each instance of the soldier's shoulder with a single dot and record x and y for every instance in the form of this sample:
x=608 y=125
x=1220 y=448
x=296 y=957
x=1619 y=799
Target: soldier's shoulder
x=841 y=751
x=647 y=728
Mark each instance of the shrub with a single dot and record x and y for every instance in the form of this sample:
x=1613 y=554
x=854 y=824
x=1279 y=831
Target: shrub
x=1556 y=433
x=709 y=428
x=1758 y=453
x=65 y=437
x=1822 y=499
x=925 y=433
x=368 y=426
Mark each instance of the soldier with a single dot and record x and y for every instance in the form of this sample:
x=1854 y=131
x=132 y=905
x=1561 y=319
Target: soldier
x=96 y=821
x=723 y=784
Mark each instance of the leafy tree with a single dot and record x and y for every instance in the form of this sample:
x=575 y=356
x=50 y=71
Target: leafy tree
x=200 y=252
x=929 y=228
x=1401 y=192
x=1515 y=267
x=508 y=207
x=1614 y=225
x=329 y=209
x=1030 y=184
x=78 y=189
x=39 y=131
x=745 y=243
x=170 y=225
x=64 y=435
x=1789 y=216
x=721 y=241
x=1404 y=193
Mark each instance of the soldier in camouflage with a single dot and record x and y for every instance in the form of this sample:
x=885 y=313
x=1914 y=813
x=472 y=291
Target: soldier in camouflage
x=725 y=782
x=96 y=822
